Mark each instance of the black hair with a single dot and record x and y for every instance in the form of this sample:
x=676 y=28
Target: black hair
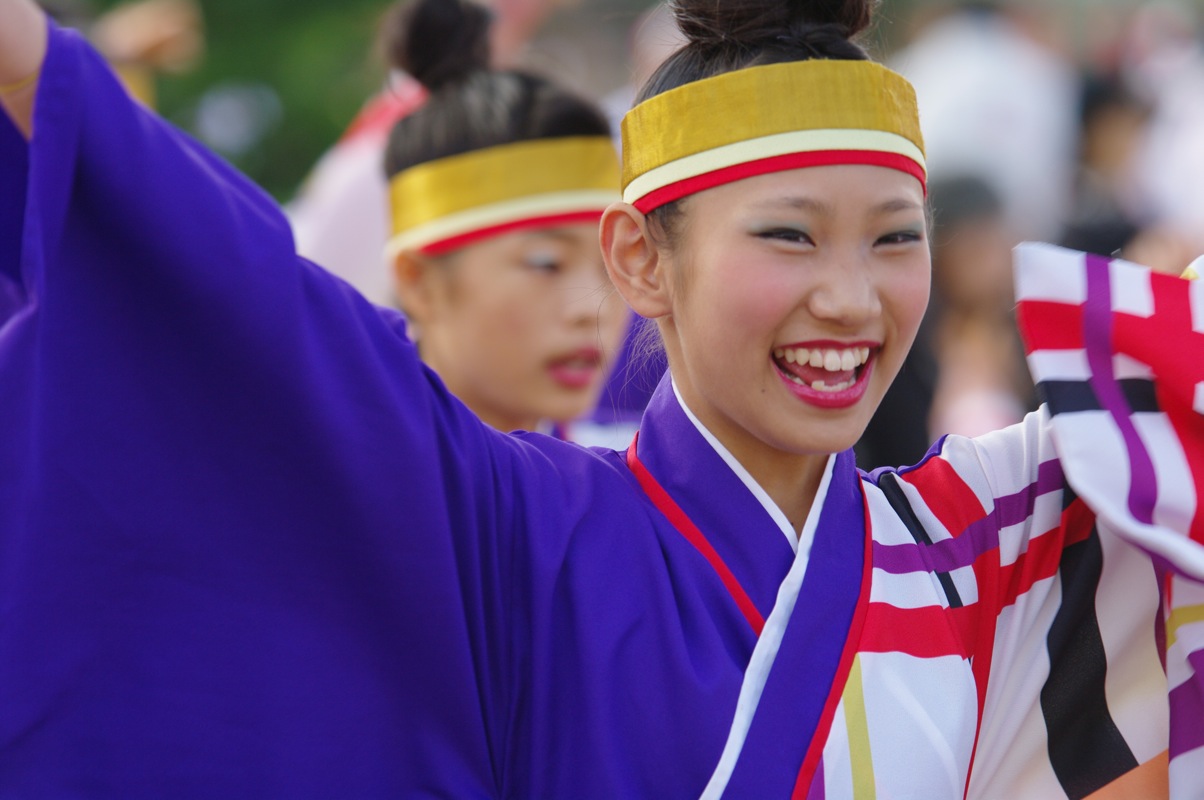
x=727 y=35
x=958 y=199
x=444 y=45
x=1104 y=91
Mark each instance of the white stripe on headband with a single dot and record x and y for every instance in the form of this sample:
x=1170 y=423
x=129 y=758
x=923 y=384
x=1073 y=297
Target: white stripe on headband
x=452 y=226
x=768 y=147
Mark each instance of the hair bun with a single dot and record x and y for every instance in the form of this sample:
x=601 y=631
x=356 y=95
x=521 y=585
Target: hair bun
x=753 y=22
x=437 y=41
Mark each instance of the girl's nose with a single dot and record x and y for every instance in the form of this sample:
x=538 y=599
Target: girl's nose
x=847 y=293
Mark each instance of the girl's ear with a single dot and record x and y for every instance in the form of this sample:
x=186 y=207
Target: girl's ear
x=412 y=274
x=634 y=262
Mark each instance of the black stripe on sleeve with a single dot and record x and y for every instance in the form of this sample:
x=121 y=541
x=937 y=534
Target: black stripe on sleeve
x=888 y=482
x=1068 y=496
x=1086 y=749
x=1065 y=397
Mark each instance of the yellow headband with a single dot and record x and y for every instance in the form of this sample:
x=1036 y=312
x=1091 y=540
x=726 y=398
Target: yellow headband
x=767 y=119
x=448 y=203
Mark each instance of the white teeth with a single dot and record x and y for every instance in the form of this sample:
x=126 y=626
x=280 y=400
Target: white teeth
x=820 y=386
x=831 y=360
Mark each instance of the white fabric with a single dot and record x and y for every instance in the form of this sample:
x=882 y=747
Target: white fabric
x=766 y=651
x=341 y=220
x=996 y=104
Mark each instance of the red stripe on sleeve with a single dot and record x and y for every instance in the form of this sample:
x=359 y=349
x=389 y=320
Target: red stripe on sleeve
x=1044 y=553
x=927 y=632
x=959 y=506
x=1050 y=326
x=1179 y=370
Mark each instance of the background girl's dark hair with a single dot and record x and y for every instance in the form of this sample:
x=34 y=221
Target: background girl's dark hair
x=444 y=45
x=727 y=35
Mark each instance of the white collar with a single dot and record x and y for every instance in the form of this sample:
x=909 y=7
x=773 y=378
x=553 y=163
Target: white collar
x=771 y=508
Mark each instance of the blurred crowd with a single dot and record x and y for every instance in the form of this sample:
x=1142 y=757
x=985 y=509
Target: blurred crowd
x=1070 y=122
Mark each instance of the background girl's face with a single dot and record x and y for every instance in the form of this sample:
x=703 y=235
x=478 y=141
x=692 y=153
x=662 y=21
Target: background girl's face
x=795 y=298
x=523 y=326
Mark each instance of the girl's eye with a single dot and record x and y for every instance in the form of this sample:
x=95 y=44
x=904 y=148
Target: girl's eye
x=900 y=237
x=546 y=264
x=789 y=235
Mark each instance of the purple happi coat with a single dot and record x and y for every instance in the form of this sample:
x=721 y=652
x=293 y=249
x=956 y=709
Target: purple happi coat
x=252 y=547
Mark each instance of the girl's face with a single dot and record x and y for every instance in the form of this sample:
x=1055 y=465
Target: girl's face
x=795 y=297
x=522 y=326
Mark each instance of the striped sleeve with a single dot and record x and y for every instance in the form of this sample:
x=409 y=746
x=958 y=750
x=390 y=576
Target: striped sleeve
x=1118 y=354
x=1075 y=694
x=1117 y=351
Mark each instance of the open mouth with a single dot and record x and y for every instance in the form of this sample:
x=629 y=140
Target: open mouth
x=824 y=369
x=577 y=370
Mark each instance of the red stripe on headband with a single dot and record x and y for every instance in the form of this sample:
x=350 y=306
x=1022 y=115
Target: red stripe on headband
x=820 y=158
x=546 y=221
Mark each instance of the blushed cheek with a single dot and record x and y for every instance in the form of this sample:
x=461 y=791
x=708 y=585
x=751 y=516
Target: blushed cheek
x=763 y=304
x=909 y=300
x=519 y=334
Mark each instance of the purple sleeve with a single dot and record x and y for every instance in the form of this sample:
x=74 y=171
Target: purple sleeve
x=14 y=164
x=249 y=546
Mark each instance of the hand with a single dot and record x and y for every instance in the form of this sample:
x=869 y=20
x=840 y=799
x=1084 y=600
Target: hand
x=1161 y=249
x=160 y=34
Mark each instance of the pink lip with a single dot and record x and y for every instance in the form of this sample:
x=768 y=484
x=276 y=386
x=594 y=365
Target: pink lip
x=831 y=400
x=578 y=369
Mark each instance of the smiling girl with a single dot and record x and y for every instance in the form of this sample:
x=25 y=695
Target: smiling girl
x=220 y=583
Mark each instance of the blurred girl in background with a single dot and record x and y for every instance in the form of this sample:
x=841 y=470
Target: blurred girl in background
x=497 y=184
x=340 y=215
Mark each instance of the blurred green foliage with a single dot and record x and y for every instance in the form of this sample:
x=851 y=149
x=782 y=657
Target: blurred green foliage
x=319 y=58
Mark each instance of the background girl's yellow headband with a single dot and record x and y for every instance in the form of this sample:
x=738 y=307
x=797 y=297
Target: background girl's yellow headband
x=445 y=204
x=766 y=119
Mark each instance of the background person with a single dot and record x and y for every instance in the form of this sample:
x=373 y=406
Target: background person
x=498 y=182
x=340 y=215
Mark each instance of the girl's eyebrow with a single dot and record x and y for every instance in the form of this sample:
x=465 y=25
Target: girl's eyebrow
x=550 y=233
x=896 y=205
x=821 y=208
x=797 y=203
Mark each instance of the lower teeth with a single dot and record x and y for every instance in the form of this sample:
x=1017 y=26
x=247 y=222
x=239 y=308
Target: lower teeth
x=820 y=386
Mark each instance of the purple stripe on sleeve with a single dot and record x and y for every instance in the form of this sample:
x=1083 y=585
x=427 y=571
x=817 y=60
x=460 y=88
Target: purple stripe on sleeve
x=1187 y=709
x=978 y=538
x=943 y=556
x=1097 y=337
